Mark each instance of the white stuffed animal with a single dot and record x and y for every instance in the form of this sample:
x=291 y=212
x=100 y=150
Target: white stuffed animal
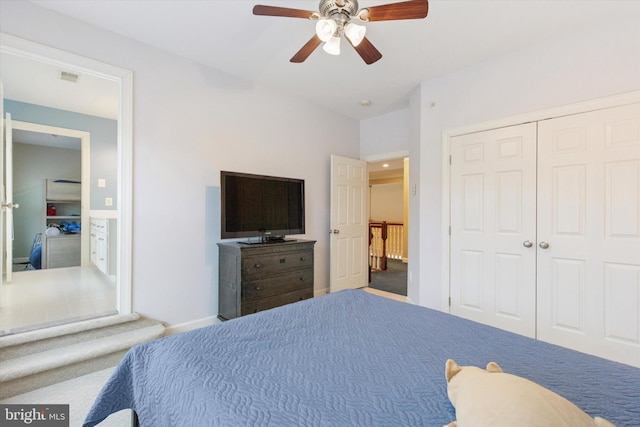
x=492 y=398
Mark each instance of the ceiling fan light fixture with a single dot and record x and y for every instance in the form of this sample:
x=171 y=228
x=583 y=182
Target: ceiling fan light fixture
x=355 y=33
x=334 y=18
x=332 y=47
x=326 y=28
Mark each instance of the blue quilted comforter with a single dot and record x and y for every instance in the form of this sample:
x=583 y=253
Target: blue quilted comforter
x=344 y=359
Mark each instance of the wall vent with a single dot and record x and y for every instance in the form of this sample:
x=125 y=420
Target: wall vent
x=68 y=76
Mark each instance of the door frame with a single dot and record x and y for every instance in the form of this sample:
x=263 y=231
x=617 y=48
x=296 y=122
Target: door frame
x=564 y=110
x=405 y=155
x=124 y=78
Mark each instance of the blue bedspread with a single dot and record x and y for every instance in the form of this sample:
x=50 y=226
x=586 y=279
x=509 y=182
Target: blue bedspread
x=344 y=359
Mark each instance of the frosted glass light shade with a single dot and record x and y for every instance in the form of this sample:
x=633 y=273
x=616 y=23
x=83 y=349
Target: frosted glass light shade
x=355 y=33
x=332 y=46
x=325 y=29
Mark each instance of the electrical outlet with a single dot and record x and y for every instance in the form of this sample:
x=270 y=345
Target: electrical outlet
x=102 y=183
x=108 y=201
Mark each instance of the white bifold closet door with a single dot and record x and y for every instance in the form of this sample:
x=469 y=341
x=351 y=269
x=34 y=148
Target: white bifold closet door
x=549 y=246
x=589 y=215
x=493 y=209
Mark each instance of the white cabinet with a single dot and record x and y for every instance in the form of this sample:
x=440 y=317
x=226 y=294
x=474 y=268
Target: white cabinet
x=102 y=245
x=545 y=230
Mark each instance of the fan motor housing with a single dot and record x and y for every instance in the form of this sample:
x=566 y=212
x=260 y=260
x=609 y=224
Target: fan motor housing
x=331 y=7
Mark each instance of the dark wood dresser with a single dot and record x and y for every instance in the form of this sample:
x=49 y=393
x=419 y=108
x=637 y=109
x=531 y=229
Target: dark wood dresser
x=258 y=277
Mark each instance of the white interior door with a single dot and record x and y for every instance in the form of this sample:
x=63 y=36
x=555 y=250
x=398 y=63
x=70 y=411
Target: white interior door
x=589 y=232
x=493 y=199
x=2 y=136
x=7 y=201
x=348 y=224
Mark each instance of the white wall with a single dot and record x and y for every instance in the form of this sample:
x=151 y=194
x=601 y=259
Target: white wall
x=387 y=202
x=190 y=122
x=385 y=136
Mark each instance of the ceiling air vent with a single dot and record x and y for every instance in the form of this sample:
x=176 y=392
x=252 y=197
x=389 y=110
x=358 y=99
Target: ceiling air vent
x=68 y=76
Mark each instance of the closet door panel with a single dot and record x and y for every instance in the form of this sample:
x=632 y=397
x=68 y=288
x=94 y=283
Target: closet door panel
x=621 y=207
x=492 y=216
x=588 y=215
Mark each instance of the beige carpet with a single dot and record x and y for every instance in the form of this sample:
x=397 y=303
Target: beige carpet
x=79 y=393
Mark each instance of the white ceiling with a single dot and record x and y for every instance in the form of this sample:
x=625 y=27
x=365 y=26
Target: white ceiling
x=386 y=165
x=456 y=33
x=39 y=83
x=49 y=140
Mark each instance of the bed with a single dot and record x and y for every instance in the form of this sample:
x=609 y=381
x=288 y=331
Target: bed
x=345 y=359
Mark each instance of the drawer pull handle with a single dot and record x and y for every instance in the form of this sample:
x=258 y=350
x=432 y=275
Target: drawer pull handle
x=257 y=266
x=302 y=258
x=258 y=288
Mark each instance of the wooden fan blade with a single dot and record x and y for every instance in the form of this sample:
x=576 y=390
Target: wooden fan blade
x=282 y=11
x=306 y=50
x=367 y=51
x=413 y=9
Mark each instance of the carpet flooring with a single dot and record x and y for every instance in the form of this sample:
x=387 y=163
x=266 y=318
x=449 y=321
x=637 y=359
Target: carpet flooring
x=393 y=279
x=79 y=394
x=37 y=359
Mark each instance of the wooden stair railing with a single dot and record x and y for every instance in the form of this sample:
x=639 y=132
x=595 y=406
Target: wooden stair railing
x=385 y=241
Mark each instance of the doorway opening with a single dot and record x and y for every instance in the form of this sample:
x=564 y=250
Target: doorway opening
x=48 y=279
x=388 y=225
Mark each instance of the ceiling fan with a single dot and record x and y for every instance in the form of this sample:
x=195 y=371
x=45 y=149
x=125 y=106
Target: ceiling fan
x=335 y=17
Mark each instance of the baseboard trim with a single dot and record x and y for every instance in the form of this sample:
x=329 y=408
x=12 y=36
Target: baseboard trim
x=319 y=292
x=194 y=324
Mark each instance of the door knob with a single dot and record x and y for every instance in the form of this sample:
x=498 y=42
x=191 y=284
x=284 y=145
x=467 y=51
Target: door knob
x=334 y=231
x=544 y=245
x=527 y=243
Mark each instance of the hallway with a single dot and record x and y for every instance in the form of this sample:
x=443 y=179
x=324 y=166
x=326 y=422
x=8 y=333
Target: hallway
x=393 y=279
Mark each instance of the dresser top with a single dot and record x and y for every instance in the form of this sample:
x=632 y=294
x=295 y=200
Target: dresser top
x=243 y=244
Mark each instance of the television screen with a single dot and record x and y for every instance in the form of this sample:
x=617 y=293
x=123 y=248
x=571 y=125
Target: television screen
x=261 y=206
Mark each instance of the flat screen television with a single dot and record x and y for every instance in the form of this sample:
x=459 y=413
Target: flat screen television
x=266 y=207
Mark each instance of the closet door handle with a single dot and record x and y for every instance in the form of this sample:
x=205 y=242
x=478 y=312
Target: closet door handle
x=544 y=245
x=527 y=243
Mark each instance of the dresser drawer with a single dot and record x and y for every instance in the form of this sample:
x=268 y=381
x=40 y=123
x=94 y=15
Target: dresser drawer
x=256 y=277
x=275 y=301
x=260 y=266
x=290 y=282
